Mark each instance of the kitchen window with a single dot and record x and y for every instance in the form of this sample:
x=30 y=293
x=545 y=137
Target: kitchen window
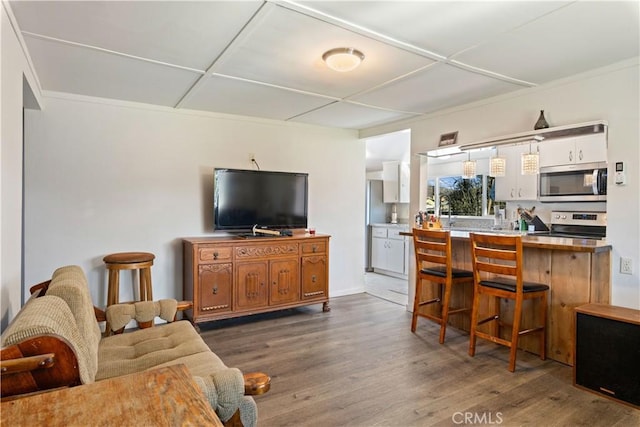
x=461 y=197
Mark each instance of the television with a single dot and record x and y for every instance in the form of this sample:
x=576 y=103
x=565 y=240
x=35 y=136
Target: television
x=244 y=198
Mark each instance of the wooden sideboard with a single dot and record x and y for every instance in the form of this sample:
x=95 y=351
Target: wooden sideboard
x=232 y=276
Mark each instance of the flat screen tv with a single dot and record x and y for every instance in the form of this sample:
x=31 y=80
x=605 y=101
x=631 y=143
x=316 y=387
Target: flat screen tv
x=244 y=198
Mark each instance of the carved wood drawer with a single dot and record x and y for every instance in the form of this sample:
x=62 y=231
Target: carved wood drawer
x=250 y=252
x=319 y=247
x=218 y=253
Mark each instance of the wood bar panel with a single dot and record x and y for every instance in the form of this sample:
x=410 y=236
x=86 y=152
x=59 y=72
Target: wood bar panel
x=576 y=270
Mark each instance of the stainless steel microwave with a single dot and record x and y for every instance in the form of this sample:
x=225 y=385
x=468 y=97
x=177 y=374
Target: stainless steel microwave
x=585 y=182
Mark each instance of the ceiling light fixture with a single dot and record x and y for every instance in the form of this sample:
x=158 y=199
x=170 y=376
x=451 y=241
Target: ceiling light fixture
x=497 y=165
x=530 y=163
x=343 y=59
x=469 y=168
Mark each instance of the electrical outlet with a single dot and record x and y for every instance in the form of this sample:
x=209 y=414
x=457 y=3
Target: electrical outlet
x=625 y=266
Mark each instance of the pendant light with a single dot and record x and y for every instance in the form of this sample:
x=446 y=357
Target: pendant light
x=497 y=165
x=469 y=168
x=530 y=162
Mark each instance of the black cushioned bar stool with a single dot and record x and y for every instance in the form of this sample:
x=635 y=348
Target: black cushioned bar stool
x=141 y=261
x=498 y=273
x=434 y=263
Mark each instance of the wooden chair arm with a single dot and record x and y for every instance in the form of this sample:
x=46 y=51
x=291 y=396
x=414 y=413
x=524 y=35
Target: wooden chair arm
x=43 y=286
x=26 y=364
x=185 y=305
x=256 y=383
x=101 y=316
x=42 y=362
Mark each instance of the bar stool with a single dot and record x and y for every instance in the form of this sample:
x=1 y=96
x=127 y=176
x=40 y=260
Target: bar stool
x=497 y=268
x=141 y=261
x=434 y=264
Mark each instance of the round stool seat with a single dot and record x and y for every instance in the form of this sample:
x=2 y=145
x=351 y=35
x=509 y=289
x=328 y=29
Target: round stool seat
x=128 y=257
x=141 y=261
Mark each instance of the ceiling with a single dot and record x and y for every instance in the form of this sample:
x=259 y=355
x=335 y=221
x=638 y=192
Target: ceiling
x=263 y=58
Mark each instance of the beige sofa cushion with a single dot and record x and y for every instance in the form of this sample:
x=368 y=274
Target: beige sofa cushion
x=147 y=348
x=70 y=284
x=50 y=315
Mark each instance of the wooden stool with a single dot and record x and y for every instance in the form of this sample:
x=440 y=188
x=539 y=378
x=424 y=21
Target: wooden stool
x=497 y=273
x=141 y=261
x=434 y=263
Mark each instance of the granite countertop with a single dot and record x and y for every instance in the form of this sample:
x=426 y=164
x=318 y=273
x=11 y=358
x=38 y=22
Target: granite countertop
x=542 y=242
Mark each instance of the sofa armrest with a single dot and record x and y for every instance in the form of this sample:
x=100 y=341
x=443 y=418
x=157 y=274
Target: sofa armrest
x=224 y=389
x=37 y=363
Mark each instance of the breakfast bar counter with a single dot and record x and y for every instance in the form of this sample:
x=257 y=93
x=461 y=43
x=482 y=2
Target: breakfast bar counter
x=577 y=271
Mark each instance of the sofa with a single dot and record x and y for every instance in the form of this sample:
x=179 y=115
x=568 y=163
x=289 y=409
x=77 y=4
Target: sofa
x=57 y=330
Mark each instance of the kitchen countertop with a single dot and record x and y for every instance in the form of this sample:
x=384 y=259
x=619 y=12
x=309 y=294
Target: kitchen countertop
x=389 y=225
x=543 y=242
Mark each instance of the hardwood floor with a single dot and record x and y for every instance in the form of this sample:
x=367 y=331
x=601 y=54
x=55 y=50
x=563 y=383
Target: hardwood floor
x=360 y=365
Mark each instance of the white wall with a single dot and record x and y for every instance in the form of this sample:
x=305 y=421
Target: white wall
x=14 y=70
x=610 y=94
x=103 y=177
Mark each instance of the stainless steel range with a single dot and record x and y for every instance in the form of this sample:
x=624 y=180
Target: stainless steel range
x=578 y=225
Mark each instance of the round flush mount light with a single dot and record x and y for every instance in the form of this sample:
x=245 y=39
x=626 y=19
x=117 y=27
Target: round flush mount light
x=343 y=59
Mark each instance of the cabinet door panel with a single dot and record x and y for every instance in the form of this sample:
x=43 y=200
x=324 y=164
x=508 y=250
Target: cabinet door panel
x=390 y=182
x=379 y=253
x=556 y=152
x=285 y=281
x=591 y=148
x=215 y=288
x=395 y=256
x=251 y=279
x=314 y=277
x=514 y=185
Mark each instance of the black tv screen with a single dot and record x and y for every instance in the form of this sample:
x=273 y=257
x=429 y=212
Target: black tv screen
x=244 y=198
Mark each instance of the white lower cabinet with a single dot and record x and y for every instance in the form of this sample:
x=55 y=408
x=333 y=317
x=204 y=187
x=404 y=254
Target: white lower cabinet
x=388 y=251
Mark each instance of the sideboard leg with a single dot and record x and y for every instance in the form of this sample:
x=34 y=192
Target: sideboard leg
x=325 y=307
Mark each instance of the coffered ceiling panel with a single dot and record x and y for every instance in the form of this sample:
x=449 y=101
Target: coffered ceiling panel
x=285 y=48
x=250 y=99
x=83 y=71
x=189 y=33
x=440 y=86
x=264 y=58
x=443 y=27
x=350 y=116
x=584 y=36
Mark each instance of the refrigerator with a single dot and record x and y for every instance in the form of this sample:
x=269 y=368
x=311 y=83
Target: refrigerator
x=375 y=213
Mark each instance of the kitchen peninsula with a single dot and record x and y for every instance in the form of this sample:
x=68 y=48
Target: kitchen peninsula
x=577 y=271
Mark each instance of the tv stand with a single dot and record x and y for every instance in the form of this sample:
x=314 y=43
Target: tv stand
x=230 y=277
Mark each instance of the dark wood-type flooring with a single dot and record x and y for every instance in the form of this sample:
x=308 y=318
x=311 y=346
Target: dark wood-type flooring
x=360 y=365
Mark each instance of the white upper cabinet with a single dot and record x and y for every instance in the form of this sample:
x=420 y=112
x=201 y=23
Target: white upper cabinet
x=514 y=185
x=573 y=150
x=395 y=182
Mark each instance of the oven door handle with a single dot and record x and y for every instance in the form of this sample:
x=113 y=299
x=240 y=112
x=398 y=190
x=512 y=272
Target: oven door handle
x=595 y=182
